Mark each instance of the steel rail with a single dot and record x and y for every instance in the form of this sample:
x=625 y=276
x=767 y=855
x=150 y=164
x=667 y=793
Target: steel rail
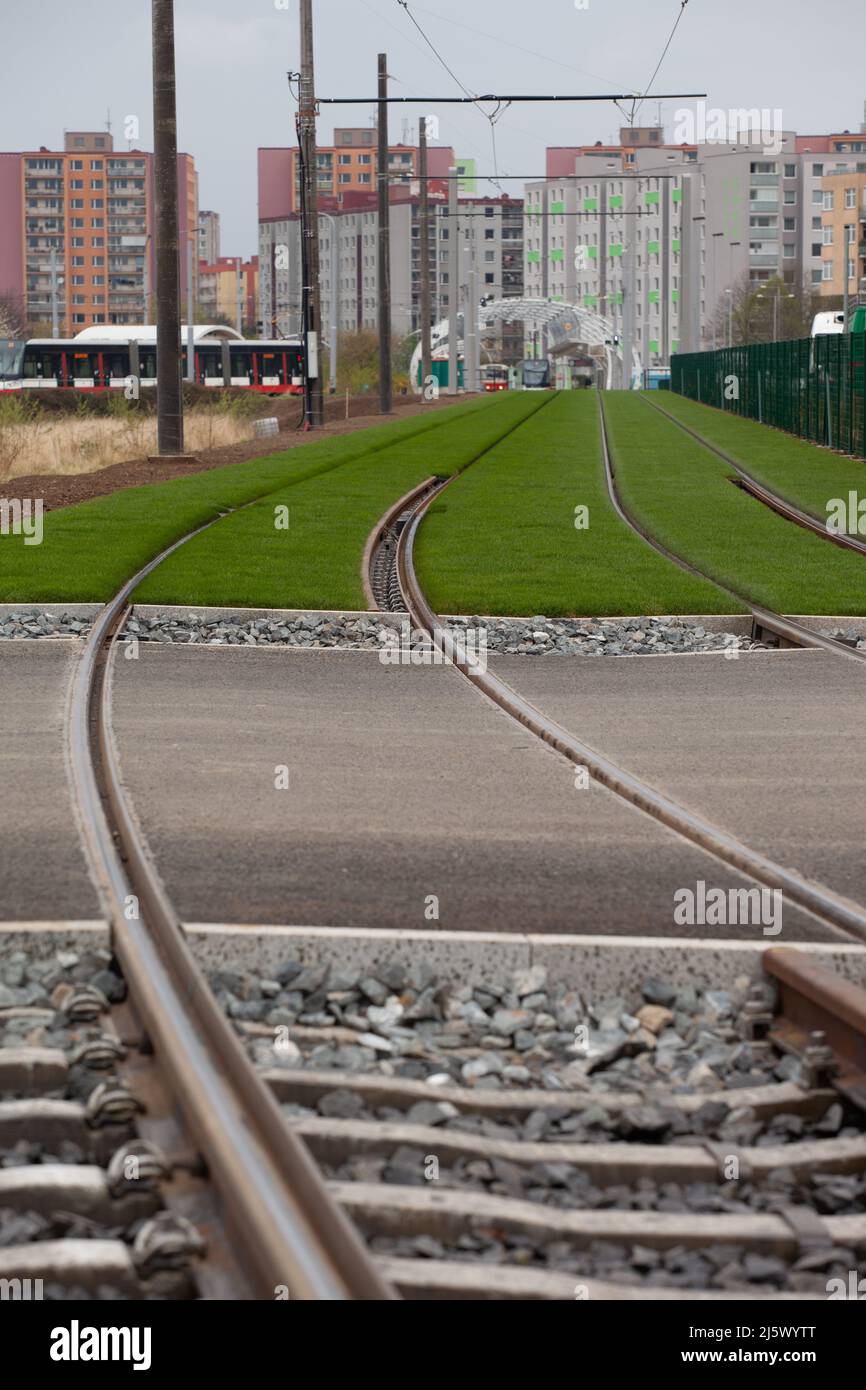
x=824 y=904
x=770 y=499
x=788 y=629
x=384 y=525
x=813 y=999
x=290 y=1232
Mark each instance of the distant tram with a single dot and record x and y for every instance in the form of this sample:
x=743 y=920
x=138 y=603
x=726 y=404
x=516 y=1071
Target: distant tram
x=495 y=376
x=536 y=374
x=101 y=358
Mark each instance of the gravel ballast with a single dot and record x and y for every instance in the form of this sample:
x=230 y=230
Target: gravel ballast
x=530 y=637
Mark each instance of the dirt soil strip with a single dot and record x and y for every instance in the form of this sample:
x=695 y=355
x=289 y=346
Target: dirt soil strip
x=65 y=490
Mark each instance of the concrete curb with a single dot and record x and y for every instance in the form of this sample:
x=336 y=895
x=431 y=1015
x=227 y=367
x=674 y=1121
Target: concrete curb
x=598 y=966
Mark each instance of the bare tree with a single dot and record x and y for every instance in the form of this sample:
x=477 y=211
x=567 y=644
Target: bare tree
x=772 y=310
x=13 y=316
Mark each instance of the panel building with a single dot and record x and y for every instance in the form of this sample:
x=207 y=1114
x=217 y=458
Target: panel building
x=490 y=230
x=660 y=238
x=76 y=232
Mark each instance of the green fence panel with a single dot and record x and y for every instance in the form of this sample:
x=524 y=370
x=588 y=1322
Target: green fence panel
x=811 y=387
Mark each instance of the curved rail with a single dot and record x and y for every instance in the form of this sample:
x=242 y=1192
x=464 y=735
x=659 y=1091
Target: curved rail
x=814 y=897
x=788 y=629
x=290 y=1232
x=770 y=499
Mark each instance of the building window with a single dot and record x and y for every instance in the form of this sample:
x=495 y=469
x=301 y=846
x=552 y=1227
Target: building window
x=96 y=204
x=827 y=236
x=828 y=200
x=790 y=198
x=816 y=249
x=97 y=221
x=790 y=171
x=489 y=233
x=76 y=202
x=78 y=280
x=76 y=164
x=344 y=178
x=77 y=260
x=827 y=270
x=790 y=224
x=816 y=224
x=850 y=197
x=789 y=251
x=96 y=165
x=489 y=278
x=817 y=171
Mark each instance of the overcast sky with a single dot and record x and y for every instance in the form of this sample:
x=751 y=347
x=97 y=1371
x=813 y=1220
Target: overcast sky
x=66 y=65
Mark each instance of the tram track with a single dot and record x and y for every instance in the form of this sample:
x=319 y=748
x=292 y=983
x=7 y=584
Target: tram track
x=275 y=1214
x=778 y=629
x=280 y=1191
x=750 y=484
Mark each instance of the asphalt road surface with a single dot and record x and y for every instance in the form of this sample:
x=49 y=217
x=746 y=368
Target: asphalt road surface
x=411 y=801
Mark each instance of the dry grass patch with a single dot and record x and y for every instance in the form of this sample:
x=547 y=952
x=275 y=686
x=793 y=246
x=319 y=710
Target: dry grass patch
x=34 y=443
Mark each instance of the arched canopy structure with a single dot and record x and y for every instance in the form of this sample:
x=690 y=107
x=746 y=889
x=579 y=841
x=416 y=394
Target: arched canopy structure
x=570 y=330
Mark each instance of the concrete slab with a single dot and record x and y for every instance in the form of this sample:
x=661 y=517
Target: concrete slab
x=404 y=786
x=770 y=746
x=43 y=874
x=601 y=966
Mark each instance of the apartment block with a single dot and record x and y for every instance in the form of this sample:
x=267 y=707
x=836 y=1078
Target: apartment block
x=686 y=226
x=209 y=237
x=608 y=232
x=228 y=292
x=76 y=231
x=489 y=230
x=350 y=165
x=843 y=231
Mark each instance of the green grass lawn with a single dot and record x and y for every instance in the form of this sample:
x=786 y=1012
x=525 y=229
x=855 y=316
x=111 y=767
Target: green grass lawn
x=502 y=538
x=89 y=550
x=800 y=472
x=680 y=493
x=316 y=562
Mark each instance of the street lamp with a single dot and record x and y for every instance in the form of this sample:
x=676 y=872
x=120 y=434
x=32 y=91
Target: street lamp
x=730 y=293
x=335 y=270
x=715 y=236
x=847 y=240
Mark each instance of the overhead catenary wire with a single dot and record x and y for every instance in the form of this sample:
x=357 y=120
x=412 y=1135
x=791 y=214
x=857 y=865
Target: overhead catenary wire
x=492 y=117
x=635 y=109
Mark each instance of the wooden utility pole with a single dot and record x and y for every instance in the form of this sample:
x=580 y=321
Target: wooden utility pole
x=384 y=245
x=424 y=239
x=312 y=311
x=169 y=397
